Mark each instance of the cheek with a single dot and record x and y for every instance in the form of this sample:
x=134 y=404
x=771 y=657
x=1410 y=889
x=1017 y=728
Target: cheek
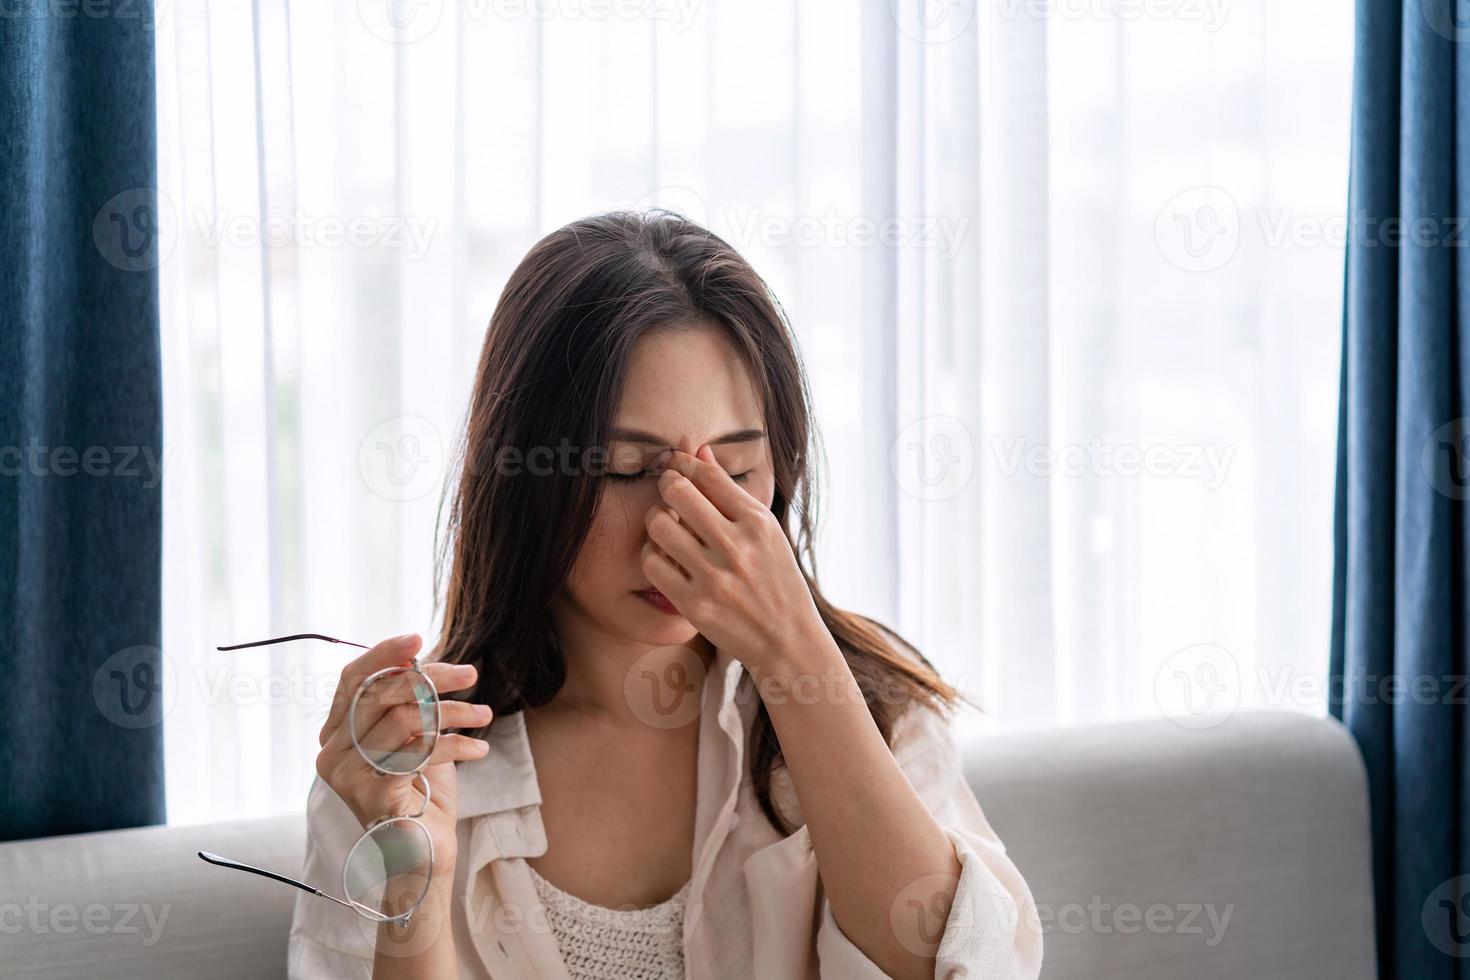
x=612 y=546
x=763 y=487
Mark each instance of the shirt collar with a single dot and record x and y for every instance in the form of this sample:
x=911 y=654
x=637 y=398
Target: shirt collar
x=505 y=778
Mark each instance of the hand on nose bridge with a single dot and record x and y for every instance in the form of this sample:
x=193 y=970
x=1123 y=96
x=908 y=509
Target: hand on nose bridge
x=662 y=460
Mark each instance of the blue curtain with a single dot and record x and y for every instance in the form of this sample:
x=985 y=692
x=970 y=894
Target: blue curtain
x=1400 y=605
x=81 y=696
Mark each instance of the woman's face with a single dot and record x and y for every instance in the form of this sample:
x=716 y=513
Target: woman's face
x=687 y=386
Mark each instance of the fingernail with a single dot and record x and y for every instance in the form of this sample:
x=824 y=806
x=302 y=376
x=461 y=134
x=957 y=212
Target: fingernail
x=406 y=639
x=463 y=670
x=482 y=711
x=663 y=458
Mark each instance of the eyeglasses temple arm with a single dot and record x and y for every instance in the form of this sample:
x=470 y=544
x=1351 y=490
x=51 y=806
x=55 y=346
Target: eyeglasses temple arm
x=294 y=636
x=225 y=862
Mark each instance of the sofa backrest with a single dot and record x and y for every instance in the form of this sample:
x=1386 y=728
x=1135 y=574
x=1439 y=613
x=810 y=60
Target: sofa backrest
x=140 y=903
x=1157 y=852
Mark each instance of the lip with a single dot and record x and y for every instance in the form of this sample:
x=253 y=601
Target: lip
x=657 y=600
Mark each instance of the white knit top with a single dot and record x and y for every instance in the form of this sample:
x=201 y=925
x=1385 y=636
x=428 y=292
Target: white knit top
x=599 y=943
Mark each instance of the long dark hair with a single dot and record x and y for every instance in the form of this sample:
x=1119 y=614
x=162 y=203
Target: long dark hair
x=550 y=375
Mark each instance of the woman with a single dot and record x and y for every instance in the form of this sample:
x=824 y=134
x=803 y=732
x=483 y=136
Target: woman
x=698 y=766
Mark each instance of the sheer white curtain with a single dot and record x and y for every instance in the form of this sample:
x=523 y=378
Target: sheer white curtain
x=974 y=215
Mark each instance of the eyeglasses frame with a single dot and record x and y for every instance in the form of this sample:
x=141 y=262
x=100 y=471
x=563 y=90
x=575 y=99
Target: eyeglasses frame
x=413 y=666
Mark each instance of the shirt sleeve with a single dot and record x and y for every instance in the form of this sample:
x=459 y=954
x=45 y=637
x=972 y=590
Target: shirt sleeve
x=991 y=931
x=327 y=940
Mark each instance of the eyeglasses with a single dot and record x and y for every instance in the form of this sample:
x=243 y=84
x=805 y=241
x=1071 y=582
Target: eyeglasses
x=386 y=875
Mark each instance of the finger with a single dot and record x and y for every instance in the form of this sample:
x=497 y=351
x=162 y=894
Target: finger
x=407 y=687
x=728 y=497
x=454 y=714
x=683 y=572
x=463 y=714
x=676 y=540
x=327 y=761
x=397 y=726
x=337 y=741
x=673 y=511
x=664 y=574
x=695 y=510
x=389 y=653
x=407 y=722
x=392 y=688
x=449 y=678
x=458 y=748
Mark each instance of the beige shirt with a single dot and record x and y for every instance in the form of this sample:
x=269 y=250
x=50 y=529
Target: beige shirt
x=755 y=906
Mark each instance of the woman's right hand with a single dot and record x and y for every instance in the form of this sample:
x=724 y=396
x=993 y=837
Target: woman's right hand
x=369 y=794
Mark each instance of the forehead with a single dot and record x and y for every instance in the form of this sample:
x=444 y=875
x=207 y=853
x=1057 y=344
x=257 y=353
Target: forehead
x=688 y=381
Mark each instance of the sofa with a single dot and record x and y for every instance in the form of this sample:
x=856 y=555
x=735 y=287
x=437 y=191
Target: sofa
x=1154 y=852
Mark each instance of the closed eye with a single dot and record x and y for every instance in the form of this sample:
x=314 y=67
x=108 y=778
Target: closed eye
x=630 y=477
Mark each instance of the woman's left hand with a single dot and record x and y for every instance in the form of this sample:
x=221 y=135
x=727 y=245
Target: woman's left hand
x=740 y=583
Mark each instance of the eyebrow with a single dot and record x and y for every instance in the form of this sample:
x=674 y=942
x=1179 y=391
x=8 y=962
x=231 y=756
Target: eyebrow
x=648 y=438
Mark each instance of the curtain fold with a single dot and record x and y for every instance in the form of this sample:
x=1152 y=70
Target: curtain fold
x=1400 y=603
x=81 y=447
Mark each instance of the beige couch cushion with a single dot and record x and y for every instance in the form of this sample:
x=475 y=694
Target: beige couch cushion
x=1264 y=816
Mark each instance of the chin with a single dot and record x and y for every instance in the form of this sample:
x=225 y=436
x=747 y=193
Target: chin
x=673 y=631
